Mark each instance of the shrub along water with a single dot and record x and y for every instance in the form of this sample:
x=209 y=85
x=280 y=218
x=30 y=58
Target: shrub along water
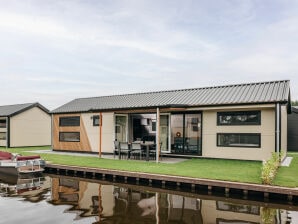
x=269 y=168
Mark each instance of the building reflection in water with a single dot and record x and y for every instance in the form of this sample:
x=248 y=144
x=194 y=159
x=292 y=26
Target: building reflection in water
x=117 y=204
x=31 y=188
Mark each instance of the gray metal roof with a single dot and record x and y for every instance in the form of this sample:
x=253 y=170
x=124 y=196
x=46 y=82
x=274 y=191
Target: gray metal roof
x=249 y=93
x=10 y=110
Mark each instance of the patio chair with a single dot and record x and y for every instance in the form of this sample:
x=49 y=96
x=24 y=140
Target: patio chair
x=136 y=150
x=124 y=150
x=152 y=151
x=116 y=148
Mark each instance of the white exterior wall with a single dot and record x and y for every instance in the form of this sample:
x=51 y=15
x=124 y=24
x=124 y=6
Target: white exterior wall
x=108 y=132
x=266 y=129
x=30 y=128
x=91 y=131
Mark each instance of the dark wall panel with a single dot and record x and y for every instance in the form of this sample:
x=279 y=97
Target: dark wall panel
x=293 y=131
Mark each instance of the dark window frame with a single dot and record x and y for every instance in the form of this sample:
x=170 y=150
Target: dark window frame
x=63 y=132
x=239 y=145
x=94 y=118
x=239 y=113
x=68 y=124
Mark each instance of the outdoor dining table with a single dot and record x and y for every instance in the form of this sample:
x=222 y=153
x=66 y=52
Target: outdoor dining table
x=147 y=145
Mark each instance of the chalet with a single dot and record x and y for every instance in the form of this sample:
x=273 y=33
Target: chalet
x=25 y=125
x=241 y=121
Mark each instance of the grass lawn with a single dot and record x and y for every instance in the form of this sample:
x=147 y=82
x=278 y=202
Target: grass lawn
x=288 y=176
x=219 y=169
x=231 y=170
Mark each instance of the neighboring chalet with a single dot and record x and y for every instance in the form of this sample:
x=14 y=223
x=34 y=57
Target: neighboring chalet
x=293 y=130
x=25 y=125
x=245 y=121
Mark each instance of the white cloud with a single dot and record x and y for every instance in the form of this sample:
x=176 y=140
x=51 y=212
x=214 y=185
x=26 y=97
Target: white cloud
x=33 y=25
x=55 y=51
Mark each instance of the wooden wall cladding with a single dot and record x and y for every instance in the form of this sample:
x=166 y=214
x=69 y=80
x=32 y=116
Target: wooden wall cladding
x=82 y=145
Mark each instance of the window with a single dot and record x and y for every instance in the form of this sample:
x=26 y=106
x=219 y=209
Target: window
x=239 y=118
x=69 y=121
x=186 y=133
x=69 y=136
x=2 y=123
x=96 y=120
x=2 y=136
x=153 y=125
x=252 y=140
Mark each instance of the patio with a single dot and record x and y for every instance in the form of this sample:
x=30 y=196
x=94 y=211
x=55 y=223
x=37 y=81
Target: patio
x=167 y=160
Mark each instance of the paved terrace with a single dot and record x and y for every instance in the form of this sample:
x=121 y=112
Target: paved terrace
x=105 y=156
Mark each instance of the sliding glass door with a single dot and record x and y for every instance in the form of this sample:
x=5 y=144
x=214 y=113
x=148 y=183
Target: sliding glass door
x=186 y=134
x=121 y=128
x=164 y=133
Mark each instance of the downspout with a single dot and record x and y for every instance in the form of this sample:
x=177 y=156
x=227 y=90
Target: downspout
x=8 y=132
x=277 y=128
x=100 y=133
x=52 y=131
x=157 y=134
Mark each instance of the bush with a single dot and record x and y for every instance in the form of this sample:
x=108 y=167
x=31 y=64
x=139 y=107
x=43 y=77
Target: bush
x=269 y=168
x=268 y=215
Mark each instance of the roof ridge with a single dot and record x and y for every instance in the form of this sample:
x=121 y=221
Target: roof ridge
x=186 y=89
x=18 y=104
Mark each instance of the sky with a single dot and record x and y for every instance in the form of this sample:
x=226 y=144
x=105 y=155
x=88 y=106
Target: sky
x=54 y=51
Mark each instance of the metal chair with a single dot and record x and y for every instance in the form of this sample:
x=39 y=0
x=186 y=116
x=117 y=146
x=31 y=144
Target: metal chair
x=136 y=150
x=124 y=150
x=152 y=151
x=116 y=148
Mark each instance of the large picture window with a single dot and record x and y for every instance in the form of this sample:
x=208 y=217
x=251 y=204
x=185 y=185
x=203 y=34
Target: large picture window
x=69 y=136
x=249 y=140
x=69 y=121
x=239 y=118
x=186 y=133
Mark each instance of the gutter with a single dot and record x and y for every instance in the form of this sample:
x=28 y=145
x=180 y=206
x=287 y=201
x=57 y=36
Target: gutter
x=8 y=132
x=277 y=128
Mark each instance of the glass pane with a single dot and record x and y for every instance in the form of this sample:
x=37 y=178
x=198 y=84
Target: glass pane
x=96 y=120
x=69 y=136
x=2 y=123
x=192 y=133
x=164 y=132
x=239 y=140
x=120 y=128
x=2 y=136
x=69 y=121
x=186 y=133
x=177 y=133
x=239 y=118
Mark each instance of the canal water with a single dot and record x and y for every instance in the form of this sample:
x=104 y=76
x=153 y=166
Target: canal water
x=63 y=199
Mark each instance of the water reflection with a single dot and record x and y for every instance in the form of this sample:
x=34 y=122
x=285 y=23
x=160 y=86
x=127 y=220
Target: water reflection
x=118 y=204
x=31 y=188
x=63 y=199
